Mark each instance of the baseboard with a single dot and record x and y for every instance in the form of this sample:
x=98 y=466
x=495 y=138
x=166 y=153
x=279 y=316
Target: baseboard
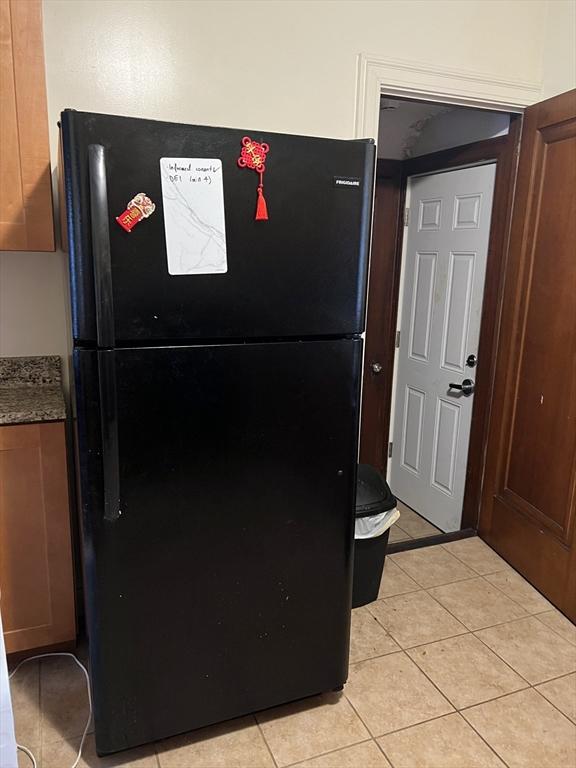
x=429 y=541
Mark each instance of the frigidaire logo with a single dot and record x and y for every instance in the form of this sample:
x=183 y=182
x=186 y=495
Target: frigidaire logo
x=346 y=181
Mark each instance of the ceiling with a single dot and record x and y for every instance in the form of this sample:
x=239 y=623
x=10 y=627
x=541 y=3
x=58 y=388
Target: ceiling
x=401 y=122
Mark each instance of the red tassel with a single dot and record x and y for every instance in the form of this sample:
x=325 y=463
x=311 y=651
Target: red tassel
x=253 y=156
x=261 y=207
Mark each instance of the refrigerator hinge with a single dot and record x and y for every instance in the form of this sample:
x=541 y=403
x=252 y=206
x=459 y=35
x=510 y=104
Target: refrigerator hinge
x=390 y=450
x=397 y=339
x=406 y=216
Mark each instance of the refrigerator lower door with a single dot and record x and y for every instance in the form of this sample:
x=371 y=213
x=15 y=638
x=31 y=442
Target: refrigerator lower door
x=217 y=529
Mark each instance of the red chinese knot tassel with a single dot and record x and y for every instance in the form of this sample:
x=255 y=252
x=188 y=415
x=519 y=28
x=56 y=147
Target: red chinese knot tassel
x=261 y=207
x=253 y=156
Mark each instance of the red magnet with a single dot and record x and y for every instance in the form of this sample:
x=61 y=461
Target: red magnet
x=253 y=156
x=140 y=207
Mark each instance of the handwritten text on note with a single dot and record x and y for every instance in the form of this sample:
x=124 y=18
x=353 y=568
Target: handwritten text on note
x=193 y=200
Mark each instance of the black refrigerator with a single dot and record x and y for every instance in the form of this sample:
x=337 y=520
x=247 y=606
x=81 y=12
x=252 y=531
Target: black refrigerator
x=217 y=364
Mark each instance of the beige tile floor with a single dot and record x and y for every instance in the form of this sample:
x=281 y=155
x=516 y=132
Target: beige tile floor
x=411 y=526
x=460 y=663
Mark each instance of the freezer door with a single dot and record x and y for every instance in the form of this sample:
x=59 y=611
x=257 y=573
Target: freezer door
x=301 y=273
x=217 y=547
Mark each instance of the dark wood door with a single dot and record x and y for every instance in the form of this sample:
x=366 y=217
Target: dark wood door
x=528 y=510
x=381 y=320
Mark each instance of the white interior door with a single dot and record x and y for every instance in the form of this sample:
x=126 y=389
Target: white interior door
x=446 y=245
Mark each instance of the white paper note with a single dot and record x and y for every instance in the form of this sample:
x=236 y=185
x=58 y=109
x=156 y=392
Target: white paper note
x=193 y=198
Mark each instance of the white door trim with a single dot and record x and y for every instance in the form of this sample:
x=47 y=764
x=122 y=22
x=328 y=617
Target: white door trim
x=416 y=79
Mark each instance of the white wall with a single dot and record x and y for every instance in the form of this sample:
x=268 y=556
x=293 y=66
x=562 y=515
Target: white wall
x=459 y=126
x=33 y=304
x=559 y=55
x=285 y=65
x=7 y=738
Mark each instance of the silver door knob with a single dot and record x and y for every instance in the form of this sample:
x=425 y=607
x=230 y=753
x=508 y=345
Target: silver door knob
x=376 y=368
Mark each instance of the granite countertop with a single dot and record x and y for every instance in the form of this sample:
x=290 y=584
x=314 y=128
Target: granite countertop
x=31 y=390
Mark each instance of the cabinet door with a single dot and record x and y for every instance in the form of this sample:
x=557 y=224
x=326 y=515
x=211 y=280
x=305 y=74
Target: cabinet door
x=36 y=582
x=25 y=187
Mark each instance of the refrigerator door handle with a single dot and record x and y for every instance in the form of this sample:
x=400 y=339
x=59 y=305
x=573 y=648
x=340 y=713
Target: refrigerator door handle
x=101 y=246
x=109 y=430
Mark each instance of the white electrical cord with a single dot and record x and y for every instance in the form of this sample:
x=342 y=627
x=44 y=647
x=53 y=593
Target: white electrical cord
x=85 y=671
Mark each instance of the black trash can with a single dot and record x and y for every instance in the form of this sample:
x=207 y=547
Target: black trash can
x=373 y=499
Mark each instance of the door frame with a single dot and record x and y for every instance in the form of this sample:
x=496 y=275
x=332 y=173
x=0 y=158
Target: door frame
x=382 y=301
x=385 y=268
x=412 y=79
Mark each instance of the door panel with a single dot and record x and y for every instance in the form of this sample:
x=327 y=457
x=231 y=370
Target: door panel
x=36 y=578
x=413 y=417
x=458 y=310
x=445 y=445
x=550 y=314
x=228 y=565
x=421 y=317
x=444 y=268
x=301 y=273
x=528 y=503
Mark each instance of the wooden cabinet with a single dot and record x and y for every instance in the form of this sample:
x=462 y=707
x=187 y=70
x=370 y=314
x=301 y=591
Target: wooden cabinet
x=26 y=221
x=36 y=581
